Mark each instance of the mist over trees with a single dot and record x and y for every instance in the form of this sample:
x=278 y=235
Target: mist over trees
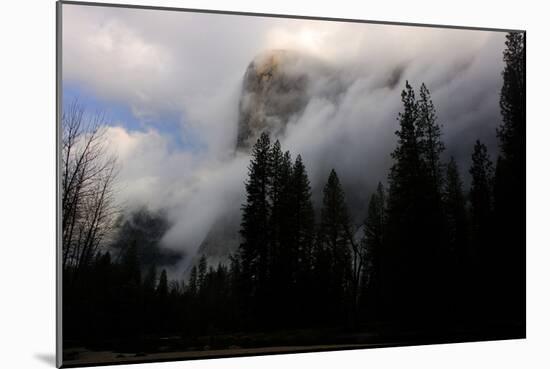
x=144 y=228
x=429 y=256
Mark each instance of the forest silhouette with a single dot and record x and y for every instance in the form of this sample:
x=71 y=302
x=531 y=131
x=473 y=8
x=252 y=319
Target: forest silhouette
x=433 y=261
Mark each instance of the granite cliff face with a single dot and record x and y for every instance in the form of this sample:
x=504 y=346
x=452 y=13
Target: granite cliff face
x=274 y=90
x=277 y=86
x=222 y=240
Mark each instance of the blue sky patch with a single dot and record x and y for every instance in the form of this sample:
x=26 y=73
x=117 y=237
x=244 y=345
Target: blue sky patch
x=170 y=124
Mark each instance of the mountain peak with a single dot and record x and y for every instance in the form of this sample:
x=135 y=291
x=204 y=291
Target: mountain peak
x=274 y=89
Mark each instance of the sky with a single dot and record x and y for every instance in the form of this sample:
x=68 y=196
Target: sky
x=170 y=84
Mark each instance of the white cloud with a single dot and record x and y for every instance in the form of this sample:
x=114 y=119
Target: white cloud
x=193 y=64
x=193 y=188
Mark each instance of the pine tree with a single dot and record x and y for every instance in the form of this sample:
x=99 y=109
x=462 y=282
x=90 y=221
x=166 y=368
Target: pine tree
x=455 y=209
x=404 y=209
x=193 y=281
x=279 y=257
x=431 y=148
x=512 y=101
x=162 y=288
x=278 y=182
x=303 y=216
x=407 y=174
x=301 y=227
x=510 y=181
x=460 y=274
x=407 y=153
x=334 y=239
x=276 y=172
x=412 y=258
x=430 y=142
x=481 y=200
x=374 y=224
x=286 y=221
x=372 y=246
x=255 y=227
x=481 y=195
x=203 y=266
x=334 y=216
x=511 y=165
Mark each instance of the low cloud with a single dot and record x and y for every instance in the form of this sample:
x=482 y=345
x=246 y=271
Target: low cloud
x=191 y=63
x=192 y=188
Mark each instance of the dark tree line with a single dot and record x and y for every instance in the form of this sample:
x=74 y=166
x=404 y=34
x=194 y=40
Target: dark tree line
x=430 y=255
x=433 y=254
x=510 y=180
x=293 y=271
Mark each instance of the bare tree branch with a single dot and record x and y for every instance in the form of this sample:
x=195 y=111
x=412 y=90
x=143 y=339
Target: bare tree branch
x=89 y=173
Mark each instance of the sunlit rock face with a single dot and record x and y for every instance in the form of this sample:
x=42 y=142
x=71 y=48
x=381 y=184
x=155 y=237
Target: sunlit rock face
x=277 y=86
x=274 y=90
